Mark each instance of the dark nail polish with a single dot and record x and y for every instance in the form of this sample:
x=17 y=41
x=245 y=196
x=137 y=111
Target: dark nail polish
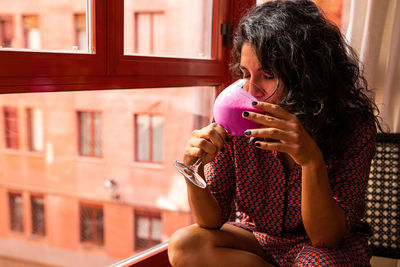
x=257 y=144
x=254 y=103
x=247 y=132
x=245 y=114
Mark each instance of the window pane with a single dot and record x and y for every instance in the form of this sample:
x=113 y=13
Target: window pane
x=45 y=25
x=35 y=128
x=11 y=134
x=38 y=219
x=16 y=215
x=90 y=201
x=168 y=27
x=157 y=138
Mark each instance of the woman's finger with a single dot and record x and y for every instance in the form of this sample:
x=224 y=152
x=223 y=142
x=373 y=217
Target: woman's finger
x=274 y=110
x=273 y=133
x=205 y=145
x=267 y=120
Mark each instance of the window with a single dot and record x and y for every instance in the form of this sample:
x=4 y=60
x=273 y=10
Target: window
x=11 y=127
x=16 y=212
x=35 y=129
x=38 y=216
x=31 y=32
x=81 y=42
x=91 y=224
x=90 y=133
x=6 y=31
x=148 y=230
x=149 y=138
x=149 y=33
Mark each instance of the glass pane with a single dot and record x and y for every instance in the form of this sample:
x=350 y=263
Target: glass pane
x=90 y=202
x=157 y=138
x=46 y=25
x=181 y=28
x=36 y=129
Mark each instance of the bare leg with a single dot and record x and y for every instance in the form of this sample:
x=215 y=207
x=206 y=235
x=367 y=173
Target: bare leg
x=230 y=246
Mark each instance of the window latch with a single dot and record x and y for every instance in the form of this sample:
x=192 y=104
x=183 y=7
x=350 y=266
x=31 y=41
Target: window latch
x=225 y=32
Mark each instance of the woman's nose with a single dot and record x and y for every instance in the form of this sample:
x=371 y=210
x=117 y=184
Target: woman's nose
x=252 y=88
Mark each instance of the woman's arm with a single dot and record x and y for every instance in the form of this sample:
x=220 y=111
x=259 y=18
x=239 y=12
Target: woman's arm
x=324 y=221
x=204 y=143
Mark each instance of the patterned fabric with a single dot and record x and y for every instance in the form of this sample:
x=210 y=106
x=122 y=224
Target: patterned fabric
x=253 y=182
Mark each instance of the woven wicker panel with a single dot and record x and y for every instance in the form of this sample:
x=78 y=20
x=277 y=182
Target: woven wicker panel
x=383 y=197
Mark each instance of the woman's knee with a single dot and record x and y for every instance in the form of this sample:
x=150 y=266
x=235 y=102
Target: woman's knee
x=186 y=244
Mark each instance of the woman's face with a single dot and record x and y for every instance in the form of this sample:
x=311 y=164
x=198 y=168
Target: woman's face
x=260 y=83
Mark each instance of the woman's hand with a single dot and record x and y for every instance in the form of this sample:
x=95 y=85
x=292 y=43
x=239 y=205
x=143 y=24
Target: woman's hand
x=205 y=143
x=286 y=131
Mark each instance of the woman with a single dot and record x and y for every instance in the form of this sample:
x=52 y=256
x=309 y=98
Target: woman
x=298 y=181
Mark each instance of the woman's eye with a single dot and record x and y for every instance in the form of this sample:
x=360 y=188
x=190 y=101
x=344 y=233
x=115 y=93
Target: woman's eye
x=269 y=75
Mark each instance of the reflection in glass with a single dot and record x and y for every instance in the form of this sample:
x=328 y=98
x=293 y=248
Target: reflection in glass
x=46 y=25
x=168 y=27
x=85 y=187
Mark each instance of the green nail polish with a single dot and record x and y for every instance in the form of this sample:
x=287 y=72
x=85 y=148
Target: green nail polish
x=245 y=114
x=247 y=132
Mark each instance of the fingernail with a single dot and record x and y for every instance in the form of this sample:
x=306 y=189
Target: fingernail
x=254 y=103
x=257 y=144
x=247 y=132
x=245 y=114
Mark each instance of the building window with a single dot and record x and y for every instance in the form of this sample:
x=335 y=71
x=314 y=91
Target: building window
x=38 y=217
x=31 y=32
x=148 y=230
x=35 y=129
x=149 y=33
x=16 y=212
x=11 y=127
x=6 y=31
x=90 y=133
x=80 y=32
x=149 y=138
x=91 y=225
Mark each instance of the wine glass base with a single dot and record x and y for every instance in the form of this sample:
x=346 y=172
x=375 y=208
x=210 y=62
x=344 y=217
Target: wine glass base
x=190 y=173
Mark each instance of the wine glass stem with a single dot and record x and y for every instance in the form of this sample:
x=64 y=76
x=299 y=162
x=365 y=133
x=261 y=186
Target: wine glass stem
x=196 y=165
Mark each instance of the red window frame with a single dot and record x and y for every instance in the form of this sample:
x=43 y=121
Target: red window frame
x=108 y=67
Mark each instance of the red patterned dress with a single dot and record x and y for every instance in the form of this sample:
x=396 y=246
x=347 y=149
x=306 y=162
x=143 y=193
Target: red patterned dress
x=254 y=181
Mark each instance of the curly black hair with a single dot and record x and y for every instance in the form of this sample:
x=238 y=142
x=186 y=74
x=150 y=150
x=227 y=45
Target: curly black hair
x=325 y=87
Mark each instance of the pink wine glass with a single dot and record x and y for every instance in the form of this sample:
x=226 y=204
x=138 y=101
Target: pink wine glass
x=228 y=109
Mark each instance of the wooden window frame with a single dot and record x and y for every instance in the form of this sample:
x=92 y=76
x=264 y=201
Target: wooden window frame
x=109 y=67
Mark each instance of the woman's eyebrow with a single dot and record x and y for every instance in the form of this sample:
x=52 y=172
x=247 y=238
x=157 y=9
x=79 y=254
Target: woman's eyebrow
x=260 y=68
